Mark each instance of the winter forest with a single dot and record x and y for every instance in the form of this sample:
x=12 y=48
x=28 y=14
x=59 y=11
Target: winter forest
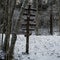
x=29 y=29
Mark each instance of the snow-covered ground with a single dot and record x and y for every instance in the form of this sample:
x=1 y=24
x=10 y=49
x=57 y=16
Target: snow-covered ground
x=40 y=48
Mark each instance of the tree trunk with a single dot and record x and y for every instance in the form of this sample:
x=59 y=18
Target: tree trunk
x=11 y=8
x=37 y=20
x=11 y=49
x=6 y=22
x=51 y=21
x=58 y=5
x=14 y=34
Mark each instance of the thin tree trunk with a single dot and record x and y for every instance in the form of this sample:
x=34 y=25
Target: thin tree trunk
x=10 y=11
x=11 y=49
x=58 y=5
x=51 y=21
x=14 y=34
x=37 y=20
x=6 y=22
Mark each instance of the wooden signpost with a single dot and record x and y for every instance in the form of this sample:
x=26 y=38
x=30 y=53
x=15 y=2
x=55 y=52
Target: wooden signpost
x=28 y=26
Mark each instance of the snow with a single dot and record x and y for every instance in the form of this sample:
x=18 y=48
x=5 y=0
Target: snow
x=40 y=48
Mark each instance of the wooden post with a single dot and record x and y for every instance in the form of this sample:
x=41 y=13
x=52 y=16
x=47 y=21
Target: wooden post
x=27 y=29
x=27 y=36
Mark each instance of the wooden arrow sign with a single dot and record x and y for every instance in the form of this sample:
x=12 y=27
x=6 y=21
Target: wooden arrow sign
x=27 y=14
x=32 y=26
x=29 y=24
x=30 y=29
x=32 y=9
x=29 y=20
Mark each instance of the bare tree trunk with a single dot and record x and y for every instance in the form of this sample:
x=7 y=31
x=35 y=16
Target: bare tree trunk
x=11 y=8
x=37 y=20
x=6 y=22
x=14 y=34
x=51 y=21
x=58 y=5
x=1 y=24
x=11 y=49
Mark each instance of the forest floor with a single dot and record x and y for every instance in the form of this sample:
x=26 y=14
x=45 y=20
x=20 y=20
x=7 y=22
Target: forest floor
x=40 y=48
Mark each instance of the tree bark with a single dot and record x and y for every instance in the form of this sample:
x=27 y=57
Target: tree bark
x=51 y=20
x=11 y=6
x=37 y=20
x=14 y=34
x=58 y=5
x=6 y=22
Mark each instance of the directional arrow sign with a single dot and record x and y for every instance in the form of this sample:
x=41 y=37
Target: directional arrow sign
x=30 y=29
x=27 y=14
x=30 y=24
x=32 y=9
x=29 y=20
